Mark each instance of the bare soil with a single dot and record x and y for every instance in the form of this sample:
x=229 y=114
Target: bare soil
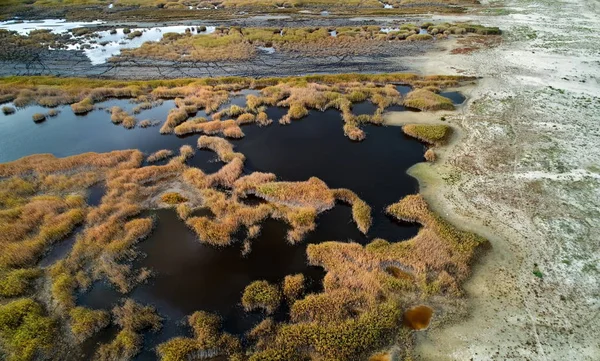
x=523 y=170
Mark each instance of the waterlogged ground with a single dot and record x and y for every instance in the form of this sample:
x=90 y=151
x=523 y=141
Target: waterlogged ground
x=98 y=46
x=190 y=275
x=526 y=174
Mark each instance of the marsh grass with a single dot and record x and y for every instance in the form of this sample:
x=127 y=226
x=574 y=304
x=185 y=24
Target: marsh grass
x=119 y=116
x=208 y=341
x=25 y=330
x=427 y=100
x=313 y=193
x=430 y=155
x=86 y=322
x=83 y=107
x=159 y=155
x=38 y=117
x=361 y=212
x=173 y=198
x=436 y=134
x=133 y=318
x=17 y=282
x=222 y=147
x=261 y=295
x=8 y=110
x=293 y=286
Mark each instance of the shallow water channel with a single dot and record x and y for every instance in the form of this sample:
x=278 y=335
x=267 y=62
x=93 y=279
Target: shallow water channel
x=190 y=275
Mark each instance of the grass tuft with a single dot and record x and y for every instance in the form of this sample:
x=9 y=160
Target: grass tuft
x=436 y=134
x=427 y=100
x=261 y=294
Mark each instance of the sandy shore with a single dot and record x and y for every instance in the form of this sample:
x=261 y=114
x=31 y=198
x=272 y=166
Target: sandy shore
x=525 y=173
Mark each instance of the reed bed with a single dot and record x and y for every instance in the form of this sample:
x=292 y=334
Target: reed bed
x=228 y=128
x=313 y=193
x=8 y=110
x=119 y=116
x=86 y=322
x=234 y=44
x=38 y=117
x=159 y=155
x=298 y=94
x=261 y=295
x=26 y=330
x=133 y=318
x=435 y=134
x=293 y=286
x=361 y=212
x=208 y=341
x=222 y=147
x=427 y=100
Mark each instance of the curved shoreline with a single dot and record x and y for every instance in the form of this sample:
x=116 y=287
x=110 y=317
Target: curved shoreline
x=523 y=176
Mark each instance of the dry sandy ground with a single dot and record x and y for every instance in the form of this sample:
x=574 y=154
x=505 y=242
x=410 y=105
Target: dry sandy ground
x=525 y=173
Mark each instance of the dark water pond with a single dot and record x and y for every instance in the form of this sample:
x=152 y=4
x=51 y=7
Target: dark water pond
x=456 y=97
x=191 y=276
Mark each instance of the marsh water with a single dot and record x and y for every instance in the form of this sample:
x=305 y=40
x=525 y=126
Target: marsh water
x=189 y=275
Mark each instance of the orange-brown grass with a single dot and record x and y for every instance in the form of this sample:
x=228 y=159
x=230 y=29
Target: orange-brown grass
x=361 y=212
x=293 y=286
x=183 y=211
x=229 y=216
x=427 y=100
x=229 y=128
x=245 y=118
x=436 y=134
x=353 y=132
x=35 y=226
x=262 y=119
x=175 y=117
x=331 y=306
x=222 y=147
x=313 y=193
x=430 y=155
x=82 y=107
x=251 y=181
x=119 y=116
x=159 y=155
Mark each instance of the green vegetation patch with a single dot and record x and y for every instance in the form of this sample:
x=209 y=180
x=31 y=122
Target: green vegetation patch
x=430 y=133
x=261 y=294
x=16 y=282
x=424 y=99
x=24 y=330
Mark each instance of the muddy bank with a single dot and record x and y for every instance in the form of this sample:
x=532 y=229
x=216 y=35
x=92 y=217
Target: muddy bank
x=76 y=63
x=525 y=175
